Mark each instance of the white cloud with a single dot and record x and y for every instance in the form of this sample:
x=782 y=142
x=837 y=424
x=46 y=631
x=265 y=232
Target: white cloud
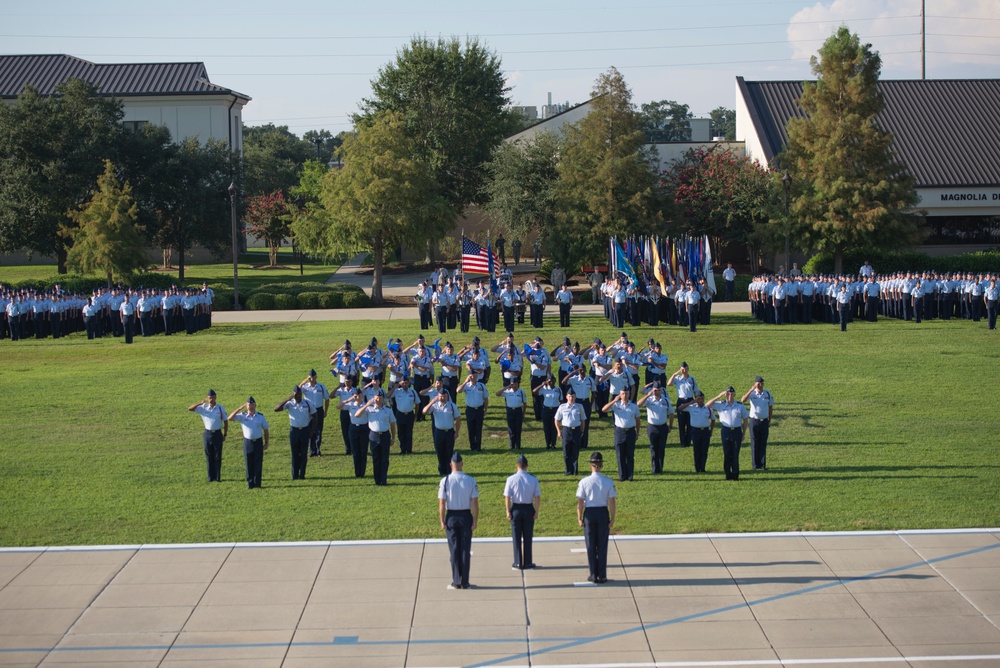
x=957 y=47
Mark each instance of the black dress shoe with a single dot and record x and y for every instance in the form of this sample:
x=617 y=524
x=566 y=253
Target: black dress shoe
x=591 y=578
x=601 y=580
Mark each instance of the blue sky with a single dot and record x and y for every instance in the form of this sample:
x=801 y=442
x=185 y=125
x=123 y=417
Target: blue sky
x=307 y=64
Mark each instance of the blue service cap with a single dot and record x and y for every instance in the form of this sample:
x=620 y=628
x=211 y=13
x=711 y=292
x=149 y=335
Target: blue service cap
x=211 y=393
x=457 y=458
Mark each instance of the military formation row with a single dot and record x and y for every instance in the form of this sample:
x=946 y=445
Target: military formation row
x=118 y=312
x=566 y=389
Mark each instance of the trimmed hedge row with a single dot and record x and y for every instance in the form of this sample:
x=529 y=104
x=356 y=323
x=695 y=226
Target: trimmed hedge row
x=890 y=262
x=292 y=296
x=86 y=284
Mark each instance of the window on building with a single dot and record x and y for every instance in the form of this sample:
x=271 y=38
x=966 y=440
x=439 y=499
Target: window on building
x=135 y=126
x=963 y=230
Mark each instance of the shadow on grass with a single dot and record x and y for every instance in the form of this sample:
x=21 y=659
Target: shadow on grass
x=865 y=443
x=874 y=469
x=233 y=329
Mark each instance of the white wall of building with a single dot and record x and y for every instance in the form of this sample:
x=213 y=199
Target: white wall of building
x=671 y=152
x=745 y=131
x=556 y=125
x=204 y=117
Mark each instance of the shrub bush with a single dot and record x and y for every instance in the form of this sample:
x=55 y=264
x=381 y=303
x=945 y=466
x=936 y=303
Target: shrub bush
x=154 y=280
x=286 y=302
x=356 y=299
x=260 y=301
x=87 y=284
x=223 y=299
x=331 y=300
x=309 y=299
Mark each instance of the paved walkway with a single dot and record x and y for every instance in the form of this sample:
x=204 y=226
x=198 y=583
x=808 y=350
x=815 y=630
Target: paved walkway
x=894 y=598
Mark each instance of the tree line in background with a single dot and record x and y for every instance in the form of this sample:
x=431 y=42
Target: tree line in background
x=73 y=177
x=837 y=185
x=427 y=144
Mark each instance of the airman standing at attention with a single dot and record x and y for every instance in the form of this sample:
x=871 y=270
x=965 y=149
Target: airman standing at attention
x=458 y=511
x=595 y=512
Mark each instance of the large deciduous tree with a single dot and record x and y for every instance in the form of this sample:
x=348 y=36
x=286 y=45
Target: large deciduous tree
x=723 y=123
x=106 y=237
x=522 y=183
x=272 y=158
x=384 y=196
x=848 y=189
x=192 y=208
x=52 y=149
x=309 y=220
x=666 y=120
x=453 y=103
x=608 y=183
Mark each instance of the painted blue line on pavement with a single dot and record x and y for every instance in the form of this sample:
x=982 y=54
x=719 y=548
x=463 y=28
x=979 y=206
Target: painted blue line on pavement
x=708 y=613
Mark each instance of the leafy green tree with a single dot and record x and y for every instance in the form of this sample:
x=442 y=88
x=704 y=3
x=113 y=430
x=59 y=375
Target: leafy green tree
x=384 y=196
x=723 y=123
x=143 y=157
x=53 y=150
x=325 y=143
x=725 y=195
x=106 y=237
x=666 y=120
x=607 y=181
x=454 y=105
x=309 y=220
x=848 y=190
x=521 y=185
x=192 y=206
x=272 y=158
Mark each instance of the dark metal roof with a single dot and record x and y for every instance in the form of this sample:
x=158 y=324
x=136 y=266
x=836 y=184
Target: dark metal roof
x=947 y=131
x=45 y=72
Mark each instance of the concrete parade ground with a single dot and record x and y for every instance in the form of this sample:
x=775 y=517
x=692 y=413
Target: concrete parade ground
x=907 y=598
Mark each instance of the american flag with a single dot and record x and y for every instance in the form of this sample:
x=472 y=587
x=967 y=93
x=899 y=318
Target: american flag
x=475 y=258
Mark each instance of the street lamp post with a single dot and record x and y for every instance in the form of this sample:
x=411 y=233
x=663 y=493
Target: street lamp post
x=236 y=248
x=786 y=181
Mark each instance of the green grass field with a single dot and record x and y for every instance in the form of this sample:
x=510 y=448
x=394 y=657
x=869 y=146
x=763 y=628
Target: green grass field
x=251 y=278
x=886 y=426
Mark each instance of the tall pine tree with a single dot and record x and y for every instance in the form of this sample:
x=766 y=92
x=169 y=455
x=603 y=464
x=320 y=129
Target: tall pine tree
x=607 y=179
x=848 y=190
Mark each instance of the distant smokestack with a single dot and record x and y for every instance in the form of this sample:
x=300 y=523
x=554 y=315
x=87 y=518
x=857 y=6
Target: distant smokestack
x=550 y=99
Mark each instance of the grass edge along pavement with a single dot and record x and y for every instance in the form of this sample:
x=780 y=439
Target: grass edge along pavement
x=99 y=448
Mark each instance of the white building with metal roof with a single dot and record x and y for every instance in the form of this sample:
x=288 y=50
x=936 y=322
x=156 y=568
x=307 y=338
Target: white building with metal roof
x=946 y=132
x=178 y=96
